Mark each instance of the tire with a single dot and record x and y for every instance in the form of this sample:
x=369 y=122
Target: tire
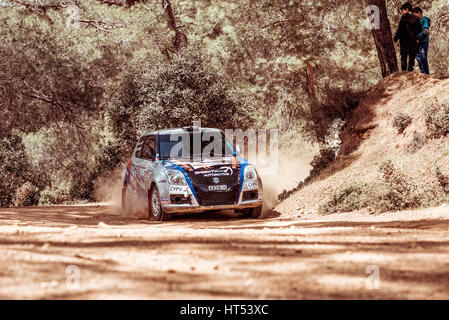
x=155 y=211
x=251 y=213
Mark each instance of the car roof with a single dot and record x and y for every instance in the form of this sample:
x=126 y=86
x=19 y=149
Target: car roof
x=181 y=130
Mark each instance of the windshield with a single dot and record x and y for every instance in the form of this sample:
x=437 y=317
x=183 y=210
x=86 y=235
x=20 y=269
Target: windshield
x=208 y=145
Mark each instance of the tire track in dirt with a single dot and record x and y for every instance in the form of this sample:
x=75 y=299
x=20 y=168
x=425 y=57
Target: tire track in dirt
x=220 y=256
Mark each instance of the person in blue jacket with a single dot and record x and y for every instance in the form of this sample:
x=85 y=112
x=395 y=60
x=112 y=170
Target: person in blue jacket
x=423 y=39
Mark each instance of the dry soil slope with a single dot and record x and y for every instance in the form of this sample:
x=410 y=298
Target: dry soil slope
x=369 y=138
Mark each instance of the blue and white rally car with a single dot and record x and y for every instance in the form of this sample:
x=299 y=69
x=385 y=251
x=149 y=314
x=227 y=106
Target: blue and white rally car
x=190 y=169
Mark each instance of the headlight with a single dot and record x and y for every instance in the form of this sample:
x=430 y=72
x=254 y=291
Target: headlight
x=250 y=173
x=176 y=178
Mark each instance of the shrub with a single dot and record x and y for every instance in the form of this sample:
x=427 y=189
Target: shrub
x=437 y=118
x=443 y=180
x=54 y=196
x=396 y=191
x=26 y=195
x=418 y=141
x=15 y=168
x=322 y=161
x=287 y=193
x=349 y=198
x=401 y=122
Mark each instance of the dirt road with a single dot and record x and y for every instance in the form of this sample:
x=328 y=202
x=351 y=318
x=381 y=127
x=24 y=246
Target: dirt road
x=93 y=252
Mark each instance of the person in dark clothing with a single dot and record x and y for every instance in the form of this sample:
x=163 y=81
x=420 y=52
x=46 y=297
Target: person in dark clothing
x=423 y=38
x=408 y=30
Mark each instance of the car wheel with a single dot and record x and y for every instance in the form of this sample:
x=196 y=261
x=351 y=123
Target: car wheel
x=155 y=211
x=251 y=213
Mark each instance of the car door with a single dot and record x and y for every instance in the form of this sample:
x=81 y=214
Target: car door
x=147 y=157
x=134 y=169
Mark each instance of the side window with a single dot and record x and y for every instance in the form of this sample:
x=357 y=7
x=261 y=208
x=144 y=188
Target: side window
x=148 y=149
x=139 y=145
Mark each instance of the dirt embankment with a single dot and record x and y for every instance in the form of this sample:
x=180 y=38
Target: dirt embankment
x=93 y=252
x=369 y=139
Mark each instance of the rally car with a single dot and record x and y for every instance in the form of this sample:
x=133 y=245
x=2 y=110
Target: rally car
x=190 y=169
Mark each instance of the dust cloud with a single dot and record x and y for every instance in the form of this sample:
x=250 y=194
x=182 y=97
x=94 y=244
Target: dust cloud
x=108 y=190
x=290 y=171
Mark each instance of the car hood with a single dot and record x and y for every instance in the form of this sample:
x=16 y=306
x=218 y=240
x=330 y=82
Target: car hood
x=226 y=170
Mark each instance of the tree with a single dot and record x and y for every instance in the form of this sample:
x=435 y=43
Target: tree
x=381 y=30
x=184 y=89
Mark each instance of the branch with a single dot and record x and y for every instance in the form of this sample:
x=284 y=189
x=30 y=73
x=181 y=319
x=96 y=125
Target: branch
x=179 y=36
x=53 y=102
x=102 y=25
x=120 y=3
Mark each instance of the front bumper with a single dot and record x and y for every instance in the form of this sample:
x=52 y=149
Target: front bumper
x=189 y=208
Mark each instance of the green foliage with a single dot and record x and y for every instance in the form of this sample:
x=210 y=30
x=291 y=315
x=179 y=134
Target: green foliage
x=396 y=191
x=437 y=118
x=106 y=159
x=418 y=141
x=443 y=180
x=348 y=198
x=43 y=79
x=121 y=115
x=175 y=94
x=58 y=195
x=26 y=195
x=53 y=83
x=322 y=161
x=14 y=168
x=401 y=122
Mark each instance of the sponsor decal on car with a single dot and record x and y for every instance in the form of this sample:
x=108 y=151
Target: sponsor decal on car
x=178 y=190
x=220 y=172
x=252 y=185
x=165 y=201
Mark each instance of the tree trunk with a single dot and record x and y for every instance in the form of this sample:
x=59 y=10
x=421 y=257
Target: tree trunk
x=380 y=28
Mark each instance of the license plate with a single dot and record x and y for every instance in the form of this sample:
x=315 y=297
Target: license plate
x=218 y=188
